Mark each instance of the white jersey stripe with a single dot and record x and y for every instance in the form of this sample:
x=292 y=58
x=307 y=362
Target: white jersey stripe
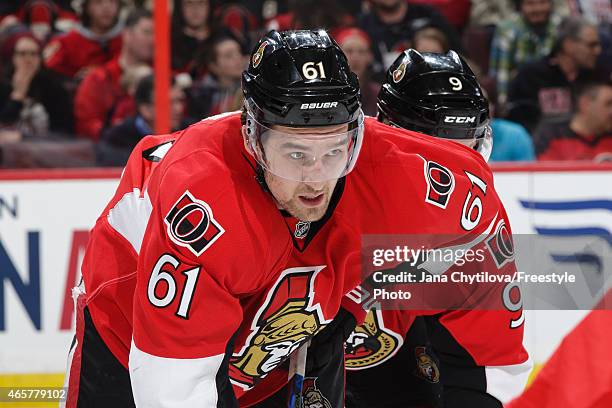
x=160 y=382
x=129 y=217
x=507 y=382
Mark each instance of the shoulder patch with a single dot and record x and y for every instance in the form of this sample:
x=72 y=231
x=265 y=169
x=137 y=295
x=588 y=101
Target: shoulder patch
x=440 y=183
x=191 y=224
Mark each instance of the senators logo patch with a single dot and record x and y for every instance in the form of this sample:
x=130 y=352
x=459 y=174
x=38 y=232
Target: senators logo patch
x=501 y=245
x=312 y=396
x=371 y=343
x=426 y=366
x=287 y=319
x=258 y=56
x=191 y=224
x=398 y=74
x=440 y=184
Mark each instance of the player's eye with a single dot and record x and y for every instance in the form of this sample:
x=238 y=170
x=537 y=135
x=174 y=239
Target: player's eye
x=334 y=152
x=297 y=155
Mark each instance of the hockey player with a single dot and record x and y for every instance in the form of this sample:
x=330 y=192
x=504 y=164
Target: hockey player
x=230 y=245
x=432 y=364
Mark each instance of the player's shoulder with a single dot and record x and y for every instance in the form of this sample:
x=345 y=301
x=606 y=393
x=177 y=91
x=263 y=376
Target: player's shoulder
x=410 y=150
x=209 y=151
x=448 y=184
x=205 y=177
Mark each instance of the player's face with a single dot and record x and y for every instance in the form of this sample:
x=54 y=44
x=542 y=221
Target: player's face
x=305 y=200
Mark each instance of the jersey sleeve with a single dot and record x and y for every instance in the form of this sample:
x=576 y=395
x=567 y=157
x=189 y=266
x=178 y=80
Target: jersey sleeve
x=483 y=332
x=448 y=201
x=198 y=257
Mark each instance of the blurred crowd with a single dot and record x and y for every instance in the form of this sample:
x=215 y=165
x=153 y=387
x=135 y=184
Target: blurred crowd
x=76 y=78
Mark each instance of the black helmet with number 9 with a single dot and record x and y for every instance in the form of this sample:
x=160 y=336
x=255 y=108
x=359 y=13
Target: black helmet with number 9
x=436 y=94
x=301 y=79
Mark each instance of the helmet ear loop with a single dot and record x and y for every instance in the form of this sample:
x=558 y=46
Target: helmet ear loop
x=252 y=142
x=357 y=149
x=249 y=135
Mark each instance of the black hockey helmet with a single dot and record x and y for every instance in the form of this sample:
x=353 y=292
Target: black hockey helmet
x=436 y=94
x=290 y=71
x=301 y=79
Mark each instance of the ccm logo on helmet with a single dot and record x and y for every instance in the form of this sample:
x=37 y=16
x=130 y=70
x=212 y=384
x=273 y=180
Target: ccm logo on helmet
x=460 y=119
x=320 y=105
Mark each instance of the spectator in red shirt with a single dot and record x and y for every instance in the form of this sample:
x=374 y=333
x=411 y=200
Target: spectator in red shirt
x=93 y=42
x=117 y=142
x=588 y=136
x=100 y=95
x=357 y=46
x=311 y=14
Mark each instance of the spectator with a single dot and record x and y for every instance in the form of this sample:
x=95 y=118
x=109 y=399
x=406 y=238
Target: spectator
x=191 y=26
x=520 y=39
x=511 y=142
x=219 y=90
x=95 y=41
x=457 y=12
x=238 y=19
x=491 y=12
x=310 y=14
x=541 y=89
x=40 y=16
x=357 y=46
x=32 y=100
x=594 y=10
x=429 y=39
x=118 y=141
x=390 y=24
x=588 y=135
x=100 y=94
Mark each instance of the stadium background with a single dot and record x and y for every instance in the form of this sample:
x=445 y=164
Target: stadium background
x=52 y=187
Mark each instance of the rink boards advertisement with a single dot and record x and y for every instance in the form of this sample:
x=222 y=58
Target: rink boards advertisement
x=45 y=218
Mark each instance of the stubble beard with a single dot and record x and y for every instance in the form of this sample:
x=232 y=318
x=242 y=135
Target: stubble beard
x=293 y=205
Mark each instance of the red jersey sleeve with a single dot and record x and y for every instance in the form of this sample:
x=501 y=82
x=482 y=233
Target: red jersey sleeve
x=204 y=248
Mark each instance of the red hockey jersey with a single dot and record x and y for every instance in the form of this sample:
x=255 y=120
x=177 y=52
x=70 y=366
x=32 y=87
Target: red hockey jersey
x=223 y=290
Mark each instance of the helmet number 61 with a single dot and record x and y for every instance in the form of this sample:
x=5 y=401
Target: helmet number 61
x=310 y=71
